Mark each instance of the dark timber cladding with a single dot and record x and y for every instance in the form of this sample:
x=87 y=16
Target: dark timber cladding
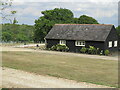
x=98 y=35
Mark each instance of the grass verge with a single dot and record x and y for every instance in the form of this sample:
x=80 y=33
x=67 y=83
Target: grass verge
x=97 y=71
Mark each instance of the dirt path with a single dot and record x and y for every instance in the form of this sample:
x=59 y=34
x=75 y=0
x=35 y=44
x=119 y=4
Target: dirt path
x=59 y=53
x=12 y=78
x=28 y=45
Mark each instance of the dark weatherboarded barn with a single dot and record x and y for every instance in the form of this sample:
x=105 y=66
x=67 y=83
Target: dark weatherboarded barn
x=75 y=36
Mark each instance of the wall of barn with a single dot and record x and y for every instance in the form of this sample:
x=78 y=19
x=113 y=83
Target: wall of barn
x=71 y=44
x=73 y=48
x=51 y=42
x=96 y=44
x=119 y=43
x=112 y=37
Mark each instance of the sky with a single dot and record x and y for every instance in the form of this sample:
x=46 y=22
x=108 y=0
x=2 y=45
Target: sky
x=104 y=11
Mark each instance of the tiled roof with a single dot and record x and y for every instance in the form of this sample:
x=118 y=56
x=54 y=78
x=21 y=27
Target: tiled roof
x=89 y=32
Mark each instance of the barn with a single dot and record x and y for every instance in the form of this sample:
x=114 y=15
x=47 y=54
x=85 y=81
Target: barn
x=76 y=36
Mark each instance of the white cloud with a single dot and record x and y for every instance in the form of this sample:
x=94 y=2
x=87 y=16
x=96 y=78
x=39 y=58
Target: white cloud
x=96 y=9
x=79 y=9
x=66 y=0
x=30 y=11
x=92 y=8
x=102 y=13
x=55 y=7
x=104 y=1
x=18 y=3
x=26 y=20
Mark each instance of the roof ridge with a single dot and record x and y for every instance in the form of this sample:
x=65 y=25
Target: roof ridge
x=83 y=24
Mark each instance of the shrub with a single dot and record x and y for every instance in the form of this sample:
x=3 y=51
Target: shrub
x=62 y=47
x=92 y=50
x=83 y=50
x=53 y=47
x=107 y=52
x=59 y=47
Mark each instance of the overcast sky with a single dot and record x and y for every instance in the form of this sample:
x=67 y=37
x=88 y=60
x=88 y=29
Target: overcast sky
x=105 y=11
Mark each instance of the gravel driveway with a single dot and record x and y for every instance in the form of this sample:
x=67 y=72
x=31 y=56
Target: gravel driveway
x=12 y=78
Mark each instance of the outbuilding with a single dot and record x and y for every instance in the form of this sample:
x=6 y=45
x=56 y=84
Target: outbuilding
x=76 y=36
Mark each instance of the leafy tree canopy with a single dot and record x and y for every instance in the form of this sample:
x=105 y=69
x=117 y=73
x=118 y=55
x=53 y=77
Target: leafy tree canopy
x=51 y=17
x=17 y=33
x=57 y=16
x=118 y=30
x=86 y=20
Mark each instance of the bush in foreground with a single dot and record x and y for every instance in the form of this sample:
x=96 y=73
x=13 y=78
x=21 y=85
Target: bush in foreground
x=83 y=50
x=107 y=52
x=59 y=47
x=93 y=50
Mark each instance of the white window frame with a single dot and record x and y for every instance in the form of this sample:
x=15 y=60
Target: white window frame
x=110 y=44
x=62 y=42
x=115 y=43
x=80 y=43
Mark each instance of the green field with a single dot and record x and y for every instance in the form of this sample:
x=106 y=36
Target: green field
x=97 y=71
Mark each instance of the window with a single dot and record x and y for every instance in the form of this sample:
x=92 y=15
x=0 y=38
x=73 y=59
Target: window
x=115 y=43
x=79 y=43
x=110 y=43
x=62 y=42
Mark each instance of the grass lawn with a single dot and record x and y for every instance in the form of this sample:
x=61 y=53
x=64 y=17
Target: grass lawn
x=98 y=71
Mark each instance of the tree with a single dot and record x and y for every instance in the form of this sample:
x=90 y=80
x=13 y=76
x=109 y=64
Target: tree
x=21 y=38
x=75 y=20
x=87 y=20
x=15 y=21
x=4 y=5
x=51 y=17
x=118 y=30
x=6 y=36
x=17 y=33
x=57 y=16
